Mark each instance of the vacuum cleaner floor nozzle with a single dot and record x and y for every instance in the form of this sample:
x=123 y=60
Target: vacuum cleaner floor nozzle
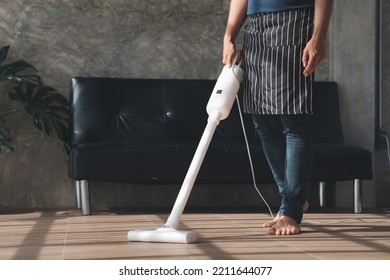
x=168 y=235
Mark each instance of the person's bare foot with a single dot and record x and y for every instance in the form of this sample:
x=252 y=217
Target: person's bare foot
x=277 y=217
x=285 y=226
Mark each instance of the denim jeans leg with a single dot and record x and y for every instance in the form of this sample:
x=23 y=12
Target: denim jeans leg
x=287 y=144
x=270 y=130
x=299 y=151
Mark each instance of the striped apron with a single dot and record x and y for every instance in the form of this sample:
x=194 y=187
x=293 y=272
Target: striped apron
x=273 y=45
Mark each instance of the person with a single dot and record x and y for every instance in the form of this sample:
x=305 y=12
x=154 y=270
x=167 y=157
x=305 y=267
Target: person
x=283 y=45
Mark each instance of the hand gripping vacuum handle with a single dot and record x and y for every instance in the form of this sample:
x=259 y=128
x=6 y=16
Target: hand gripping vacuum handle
x=225 y=91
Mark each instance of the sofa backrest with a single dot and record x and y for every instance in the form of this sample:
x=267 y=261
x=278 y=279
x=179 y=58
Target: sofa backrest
x=326 y=122
x=114 y=109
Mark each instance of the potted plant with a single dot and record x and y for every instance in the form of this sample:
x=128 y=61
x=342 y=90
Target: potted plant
x=48 y=109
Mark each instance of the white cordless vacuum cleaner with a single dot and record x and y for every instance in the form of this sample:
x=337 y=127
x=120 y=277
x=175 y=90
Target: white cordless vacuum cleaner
x=218 y=108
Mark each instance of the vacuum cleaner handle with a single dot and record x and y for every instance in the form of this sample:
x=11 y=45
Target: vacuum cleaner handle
x=225 y=90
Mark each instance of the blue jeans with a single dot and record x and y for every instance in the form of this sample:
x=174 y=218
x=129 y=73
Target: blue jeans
x=287 y=144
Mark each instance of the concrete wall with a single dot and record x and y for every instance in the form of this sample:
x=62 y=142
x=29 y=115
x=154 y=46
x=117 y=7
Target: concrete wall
x=158 y=39
x=352 y=64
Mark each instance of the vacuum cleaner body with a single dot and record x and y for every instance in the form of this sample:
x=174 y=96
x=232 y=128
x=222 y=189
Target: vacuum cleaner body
x=218 y=108
x=225 y=91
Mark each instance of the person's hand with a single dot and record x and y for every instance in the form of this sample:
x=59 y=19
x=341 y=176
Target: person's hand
x=313 y=54
x=229 y=52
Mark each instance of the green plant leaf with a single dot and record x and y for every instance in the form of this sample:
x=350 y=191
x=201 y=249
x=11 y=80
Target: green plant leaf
x=20 y=79
x=15 y=67
x=6 y=143
x=3 y=54
x=49 y=109
x=11 y=71
x=18 y=94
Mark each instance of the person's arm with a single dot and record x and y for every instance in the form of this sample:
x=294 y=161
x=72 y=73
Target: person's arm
x=314 y=51
x=237 y=16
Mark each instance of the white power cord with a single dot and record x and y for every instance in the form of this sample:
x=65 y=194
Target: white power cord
x=250 y=158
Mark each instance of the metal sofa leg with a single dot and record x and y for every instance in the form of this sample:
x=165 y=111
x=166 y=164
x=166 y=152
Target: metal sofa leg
x=357 y=195
x=322 y=191
x=85 y=198
x=78 y=194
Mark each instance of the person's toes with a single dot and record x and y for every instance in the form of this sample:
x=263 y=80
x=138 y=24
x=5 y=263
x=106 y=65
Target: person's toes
x=284 y=226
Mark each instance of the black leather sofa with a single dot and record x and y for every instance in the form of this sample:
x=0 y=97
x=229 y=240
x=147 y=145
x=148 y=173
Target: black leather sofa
x=146 y=131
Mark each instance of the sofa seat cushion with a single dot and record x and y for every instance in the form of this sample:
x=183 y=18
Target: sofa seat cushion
x=166 y=162
x=225 y=162
x=338 y=162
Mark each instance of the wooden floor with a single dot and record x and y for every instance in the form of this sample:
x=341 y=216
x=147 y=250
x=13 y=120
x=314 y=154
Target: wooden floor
x=232 y=236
